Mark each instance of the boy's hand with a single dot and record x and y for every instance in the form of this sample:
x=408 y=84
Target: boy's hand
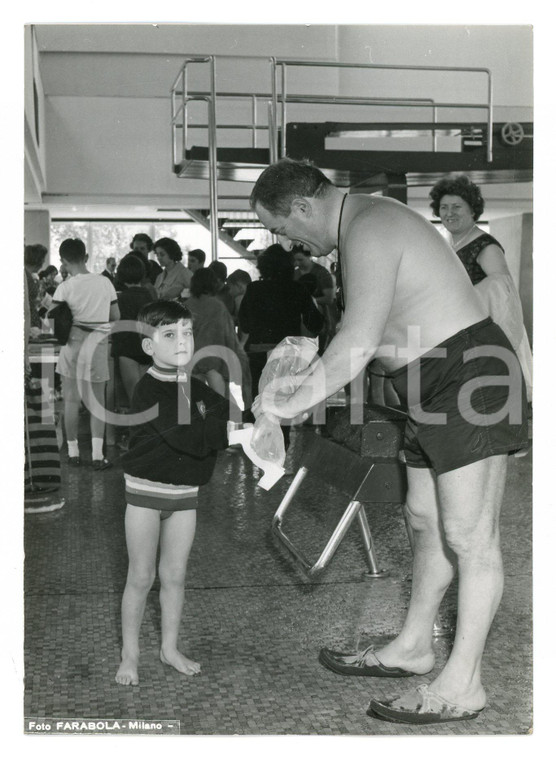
x=237 y=426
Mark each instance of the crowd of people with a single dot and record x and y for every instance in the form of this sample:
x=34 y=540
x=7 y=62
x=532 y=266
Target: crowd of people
x=398 y=296
x=231 y=312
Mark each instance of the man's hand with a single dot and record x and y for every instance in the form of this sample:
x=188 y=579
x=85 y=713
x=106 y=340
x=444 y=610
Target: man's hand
x=280 y=408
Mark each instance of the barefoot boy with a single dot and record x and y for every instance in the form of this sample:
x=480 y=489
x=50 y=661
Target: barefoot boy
x=168 y=459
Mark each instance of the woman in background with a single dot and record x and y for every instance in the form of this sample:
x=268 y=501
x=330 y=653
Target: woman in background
x=459 y=204
x=273 y=308
x=214 y=326
x=175 y=278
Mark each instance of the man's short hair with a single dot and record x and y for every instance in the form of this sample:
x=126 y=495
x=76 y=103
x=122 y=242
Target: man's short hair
x=73 y=250
x=142 y=237
x=299 y=249
x=282 y=182
x=198 y=254
x=159 y=313
x=239 y=277
x=110 y=259
x=203 y=283
x=130 y=270
x=276 y=264
x=220 y=270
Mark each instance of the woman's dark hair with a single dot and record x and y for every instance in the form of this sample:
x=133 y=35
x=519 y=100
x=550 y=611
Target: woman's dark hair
x=285 y=180
x=220 y=270
x=203 y=282
x=276 y=264
x=171 y=247
x=159 y=313
x=461 y=186
x=73 y=250
x=34 y=255
x=130 y=270
x=142 y=237
x=50 y=269
x=239 y=277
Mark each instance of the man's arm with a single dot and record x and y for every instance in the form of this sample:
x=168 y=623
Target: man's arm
x=371 y=259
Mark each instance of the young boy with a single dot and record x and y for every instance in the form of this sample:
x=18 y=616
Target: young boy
x=167 y=461
x=93 y=304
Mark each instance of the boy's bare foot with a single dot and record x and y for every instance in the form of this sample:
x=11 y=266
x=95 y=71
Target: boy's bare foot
x=180 y=662
x=127 y=674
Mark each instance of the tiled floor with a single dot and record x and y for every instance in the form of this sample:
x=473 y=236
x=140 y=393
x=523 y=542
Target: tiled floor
x=251 y=618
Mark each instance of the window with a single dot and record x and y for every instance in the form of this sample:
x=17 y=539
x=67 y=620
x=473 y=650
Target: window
x=103 y=239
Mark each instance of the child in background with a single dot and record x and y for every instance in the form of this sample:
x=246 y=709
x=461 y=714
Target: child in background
x=172 y=451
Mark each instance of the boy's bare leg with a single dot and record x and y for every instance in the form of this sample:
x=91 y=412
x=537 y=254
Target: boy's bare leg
x=72 y=403
x=97 y=423
x=176 y=538
x=142 y=528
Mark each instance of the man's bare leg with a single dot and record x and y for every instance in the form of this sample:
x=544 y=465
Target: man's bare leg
x=176 y=538
x=471 y=498
x=142 y=527
x=433 y=571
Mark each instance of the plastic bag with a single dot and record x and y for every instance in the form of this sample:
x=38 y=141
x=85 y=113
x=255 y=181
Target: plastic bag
x=290 y=357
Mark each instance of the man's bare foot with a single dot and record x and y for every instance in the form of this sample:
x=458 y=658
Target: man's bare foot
x=394 y=655
x=180 y=662
x=127 y=674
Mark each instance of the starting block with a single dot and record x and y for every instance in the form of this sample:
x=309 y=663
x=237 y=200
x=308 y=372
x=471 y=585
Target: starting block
x=362 y=462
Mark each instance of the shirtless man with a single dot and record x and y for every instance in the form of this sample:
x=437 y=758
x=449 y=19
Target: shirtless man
x=405 y=294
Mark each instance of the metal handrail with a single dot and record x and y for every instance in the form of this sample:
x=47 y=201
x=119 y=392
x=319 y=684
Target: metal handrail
x=182 y=111
x=284 y=63
x=181 y=99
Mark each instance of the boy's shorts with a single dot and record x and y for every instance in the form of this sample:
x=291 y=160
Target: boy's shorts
x=465 y=393
x=75 y=361
x=166 y=498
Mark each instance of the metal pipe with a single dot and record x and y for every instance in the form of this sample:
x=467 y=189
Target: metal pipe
x=370 y=553
x=213 y=164
x=284 y=99
x=190 y=59
x=290 y=493
x=254 y=120
x=329 y=550
x=274 y=110
x=398 y=67
x=184 y=114
x=271 y=134
x=411 y=102
x=173 y=135
x=490 y=117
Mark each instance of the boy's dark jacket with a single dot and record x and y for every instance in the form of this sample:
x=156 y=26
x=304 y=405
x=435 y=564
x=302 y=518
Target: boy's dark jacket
x=167 y=452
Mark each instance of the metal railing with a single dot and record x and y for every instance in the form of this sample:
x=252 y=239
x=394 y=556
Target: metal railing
x=277 y=106
x=282 y=64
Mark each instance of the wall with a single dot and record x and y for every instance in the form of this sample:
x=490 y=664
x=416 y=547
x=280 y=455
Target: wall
x=515 y=235
x=36 y=229
x=34 y=121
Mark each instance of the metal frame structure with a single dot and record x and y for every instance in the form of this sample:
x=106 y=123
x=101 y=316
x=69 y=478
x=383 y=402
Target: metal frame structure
x=278 y=100
x=354 y=509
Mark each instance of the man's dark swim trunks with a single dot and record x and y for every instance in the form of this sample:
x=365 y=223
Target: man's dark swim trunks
x=459 y=391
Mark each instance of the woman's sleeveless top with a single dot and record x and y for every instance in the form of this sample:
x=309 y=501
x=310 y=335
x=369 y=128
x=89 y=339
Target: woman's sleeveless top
x=469 y=253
